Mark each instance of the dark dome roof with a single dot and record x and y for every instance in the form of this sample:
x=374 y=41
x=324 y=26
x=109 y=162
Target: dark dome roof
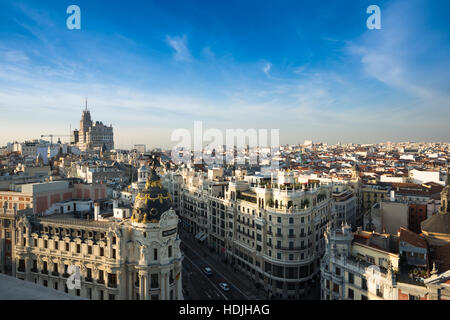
x=151 y=202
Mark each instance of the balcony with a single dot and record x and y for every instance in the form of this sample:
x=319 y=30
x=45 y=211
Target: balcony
x=279 y=235
x=56 y=274
x=88 y=279
x=291 y=236
x=101 y=281
x=44 y=271
x=66 y=275
x=34 y=270
x=112 y=285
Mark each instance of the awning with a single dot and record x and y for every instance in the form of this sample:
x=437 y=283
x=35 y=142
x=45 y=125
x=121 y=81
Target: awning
x=198 y=235
x=203 y=237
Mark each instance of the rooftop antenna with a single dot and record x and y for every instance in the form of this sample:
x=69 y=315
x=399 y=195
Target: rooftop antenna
x=86 y=104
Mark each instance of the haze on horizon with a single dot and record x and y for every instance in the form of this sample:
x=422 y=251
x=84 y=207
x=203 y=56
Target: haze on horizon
x=311 y=69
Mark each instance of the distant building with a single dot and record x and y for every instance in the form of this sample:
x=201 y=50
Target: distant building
x=140 y=148
x=93 y=136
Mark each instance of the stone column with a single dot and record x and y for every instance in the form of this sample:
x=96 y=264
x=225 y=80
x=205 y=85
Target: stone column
x=167 y=287
x=121 y=285
x=179 y=287
x=146 y=287
x=130 y=294
x=141 y=286
x=27 y=268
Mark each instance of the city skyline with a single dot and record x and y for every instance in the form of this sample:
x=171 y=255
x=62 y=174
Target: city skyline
x=314 y=71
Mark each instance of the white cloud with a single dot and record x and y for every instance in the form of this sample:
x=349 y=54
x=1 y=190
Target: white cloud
x=267 y=68
x=179 y=44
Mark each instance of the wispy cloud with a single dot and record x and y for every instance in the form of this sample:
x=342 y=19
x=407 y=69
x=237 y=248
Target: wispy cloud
x=179 y=44
x=399 y=55
x=267 y=68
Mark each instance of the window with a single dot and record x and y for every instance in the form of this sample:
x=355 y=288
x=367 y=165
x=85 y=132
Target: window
x=89 y=274
x=335 y=287
x=89 y=249
x=350 y=294
x=56 y=245
x=155 y=254
x=102 y=251
x=291 y=220
x=364 y=283
x=279 y=219
x=45 y=244
x=154 y=281
x=67 y=246
x=363 y=297
x=338 y=271
x=78 y=248
x=113 y=253
x=170 y=251
x=370 y=259
x=351 y=278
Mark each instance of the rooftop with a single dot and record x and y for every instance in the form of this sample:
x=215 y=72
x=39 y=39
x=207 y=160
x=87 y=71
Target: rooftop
x=15 y=289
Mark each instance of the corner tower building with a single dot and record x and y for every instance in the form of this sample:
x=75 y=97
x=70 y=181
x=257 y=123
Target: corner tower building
x=135 y=258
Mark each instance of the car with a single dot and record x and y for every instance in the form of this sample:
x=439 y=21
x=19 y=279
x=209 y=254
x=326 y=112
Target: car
x=224 y=286
x=207 y=271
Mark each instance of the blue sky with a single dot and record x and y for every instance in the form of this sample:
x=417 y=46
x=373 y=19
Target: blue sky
x=309 y=68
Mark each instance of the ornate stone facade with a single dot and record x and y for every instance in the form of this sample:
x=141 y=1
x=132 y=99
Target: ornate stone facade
x=118 y=258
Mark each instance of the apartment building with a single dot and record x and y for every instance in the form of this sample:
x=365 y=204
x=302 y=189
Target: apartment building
x=359 y=266
x=272 y=232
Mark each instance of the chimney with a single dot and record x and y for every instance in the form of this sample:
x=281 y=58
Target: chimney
x=96 y=210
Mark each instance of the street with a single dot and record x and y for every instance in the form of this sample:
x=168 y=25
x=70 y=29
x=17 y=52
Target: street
x=197 y=285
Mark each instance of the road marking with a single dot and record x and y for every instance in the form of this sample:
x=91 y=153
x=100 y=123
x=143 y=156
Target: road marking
x=190 y=248
x=214 y=286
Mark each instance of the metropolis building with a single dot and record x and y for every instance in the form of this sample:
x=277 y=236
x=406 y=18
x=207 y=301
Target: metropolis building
x=133 y=258
x=270 y=230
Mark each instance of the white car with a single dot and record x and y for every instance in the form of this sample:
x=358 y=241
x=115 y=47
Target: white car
x=224 y=286
x=207 y=271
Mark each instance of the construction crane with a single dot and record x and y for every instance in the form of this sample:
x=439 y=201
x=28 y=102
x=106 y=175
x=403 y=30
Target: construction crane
x=54 y=135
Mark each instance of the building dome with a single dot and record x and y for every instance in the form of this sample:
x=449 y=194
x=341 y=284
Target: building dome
x=152 y=201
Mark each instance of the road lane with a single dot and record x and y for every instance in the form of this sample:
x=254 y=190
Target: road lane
x=220 y=277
